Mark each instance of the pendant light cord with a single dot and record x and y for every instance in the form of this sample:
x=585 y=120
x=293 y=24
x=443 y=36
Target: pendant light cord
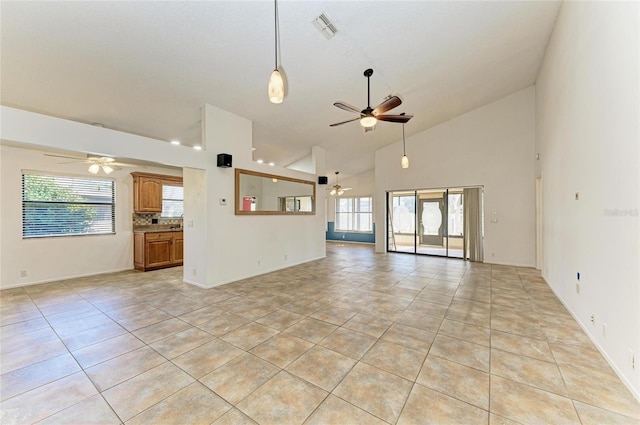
x=404 y=151
x=275 y=27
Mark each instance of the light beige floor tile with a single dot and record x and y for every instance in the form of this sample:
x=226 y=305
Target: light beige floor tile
x=202 y=315
x=463 y=352
x=284 y=399
x=71 y=327
x=378 y=392
x=426 y=406
x=239 y=377
x=224 y=324
x=350 y=343
x=132 y=397
x=206 y=358
x=181 y=342
x=91 y=411
x=527 y=370
x=368 y=325
x=521 y=345
x=334 y=315
x=322 y=367
x=142 y=319
x=529 y=405
x=578 y=355
x=311 y=330
x=335 y=411
x=282 y=349
x=466 y=331
x=118 y=369
x=234 y=417
x=19 y=328
x=455 y=380
x=397 y=359
x=280 y=319
x=421 y=321
x=93 y=336
x=591 y=415
x=408 y=336
x=27 y=340
x=35 y=375
x=152 y=333
x=105 y=350
x=39 y=403
x=501 y=420
x=30 y=355
x=193 y=405
x=600 y=388
x=249 y=336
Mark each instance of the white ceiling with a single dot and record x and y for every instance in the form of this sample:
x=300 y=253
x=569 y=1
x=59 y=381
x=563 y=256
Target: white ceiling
x=147 y=67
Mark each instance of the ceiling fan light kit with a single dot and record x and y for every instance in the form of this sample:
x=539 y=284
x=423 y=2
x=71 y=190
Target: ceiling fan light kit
x=276 y=83
x=337 y=189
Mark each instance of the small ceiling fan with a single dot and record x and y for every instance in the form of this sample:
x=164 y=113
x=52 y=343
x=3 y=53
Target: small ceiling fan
x=370 y=116
x=106 y=163
x=336 y=189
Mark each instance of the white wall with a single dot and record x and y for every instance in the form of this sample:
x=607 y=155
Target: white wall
x=492 y=146
x=588 y=136
x=48 y=259
x=241 y=246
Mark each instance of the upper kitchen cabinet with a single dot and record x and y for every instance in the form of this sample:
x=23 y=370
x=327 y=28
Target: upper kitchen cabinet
x=147 y=191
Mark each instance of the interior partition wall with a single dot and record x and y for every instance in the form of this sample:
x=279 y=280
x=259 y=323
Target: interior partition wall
x=442 y=222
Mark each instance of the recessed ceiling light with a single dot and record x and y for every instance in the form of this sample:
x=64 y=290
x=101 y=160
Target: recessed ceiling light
x=175 y=142
x=198 y=148
x=259 y=161
x=272 y=164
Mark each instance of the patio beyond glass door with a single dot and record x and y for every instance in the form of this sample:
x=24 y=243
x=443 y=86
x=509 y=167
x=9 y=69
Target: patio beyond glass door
x=427 y=222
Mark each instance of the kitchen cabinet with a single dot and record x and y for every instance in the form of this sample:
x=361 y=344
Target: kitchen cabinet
x=147 y=191
x=156 y=250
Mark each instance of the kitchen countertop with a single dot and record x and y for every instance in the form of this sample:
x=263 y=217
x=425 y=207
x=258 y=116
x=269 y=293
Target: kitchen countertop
x=156 y=230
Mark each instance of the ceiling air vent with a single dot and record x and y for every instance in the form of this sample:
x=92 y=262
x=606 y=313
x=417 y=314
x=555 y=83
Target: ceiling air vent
x=325 y=26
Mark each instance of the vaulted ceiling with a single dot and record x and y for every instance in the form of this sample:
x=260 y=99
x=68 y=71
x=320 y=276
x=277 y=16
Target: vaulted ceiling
x=147 y=67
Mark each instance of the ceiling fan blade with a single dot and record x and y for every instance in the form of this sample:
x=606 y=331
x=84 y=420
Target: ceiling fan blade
x=347 y=107
x=387 y=105
x=395 y=118
x=65 y=156
x=347 y=188
x=123 y=164
x=343 y=122
x=78 y=161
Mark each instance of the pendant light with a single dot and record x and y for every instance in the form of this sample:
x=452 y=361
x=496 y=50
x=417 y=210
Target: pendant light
x=276 y=83
x=405 y=161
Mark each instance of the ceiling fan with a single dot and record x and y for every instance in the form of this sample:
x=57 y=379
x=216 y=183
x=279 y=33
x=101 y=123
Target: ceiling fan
x=370 y=116
x=336 y=189
x=96 y=163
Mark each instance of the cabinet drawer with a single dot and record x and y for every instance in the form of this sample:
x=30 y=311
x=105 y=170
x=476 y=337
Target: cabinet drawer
x=159 y=236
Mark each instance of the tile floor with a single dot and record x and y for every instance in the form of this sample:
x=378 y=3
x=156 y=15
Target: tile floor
x=356 y=338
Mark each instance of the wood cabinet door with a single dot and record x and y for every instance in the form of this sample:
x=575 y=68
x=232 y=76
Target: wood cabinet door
x=158 y=251
x=178 y=247
x=149 y=195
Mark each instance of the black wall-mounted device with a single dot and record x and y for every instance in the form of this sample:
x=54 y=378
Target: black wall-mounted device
x=224 y=160
x=323 y=180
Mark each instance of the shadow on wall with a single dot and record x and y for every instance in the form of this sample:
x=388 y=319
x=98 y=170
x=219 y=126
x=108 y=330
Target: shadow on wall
x=350 y=236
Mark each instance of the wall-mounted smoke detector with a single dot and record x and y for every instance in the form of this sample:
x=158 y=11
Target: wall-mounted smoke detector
x=324 y=25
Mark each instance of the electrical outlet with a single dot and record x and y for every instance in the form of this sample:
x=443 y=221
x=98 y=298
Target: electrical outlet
x=286 y=257
x=259 y=263
x=604 y=330
x=593 y=319
x=632 y=359
x=23 y=273
x=194 y=272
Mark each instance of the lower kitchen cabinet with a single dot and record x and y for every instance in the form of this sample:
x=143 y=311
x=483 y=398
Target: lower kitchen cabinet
x=155 y=250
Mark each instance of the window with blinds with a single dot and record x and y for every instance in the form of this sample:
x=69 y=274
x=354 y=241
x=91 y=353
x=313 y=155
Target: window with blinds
x=172 y=201
x=56 y=205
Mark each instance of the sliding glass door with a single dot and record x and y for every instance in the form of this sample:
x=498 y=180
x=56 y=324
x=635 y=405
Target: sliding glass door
x=432 y=222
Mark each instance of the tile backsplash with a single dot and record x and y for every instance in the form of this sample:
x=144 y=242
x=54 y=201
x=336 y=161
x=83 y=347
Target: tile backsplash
x=149 y=219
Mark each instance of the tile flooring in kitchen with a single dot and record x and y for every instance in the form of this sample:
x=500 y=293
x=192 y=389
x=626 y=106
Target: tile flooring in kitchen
x=356 y=338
